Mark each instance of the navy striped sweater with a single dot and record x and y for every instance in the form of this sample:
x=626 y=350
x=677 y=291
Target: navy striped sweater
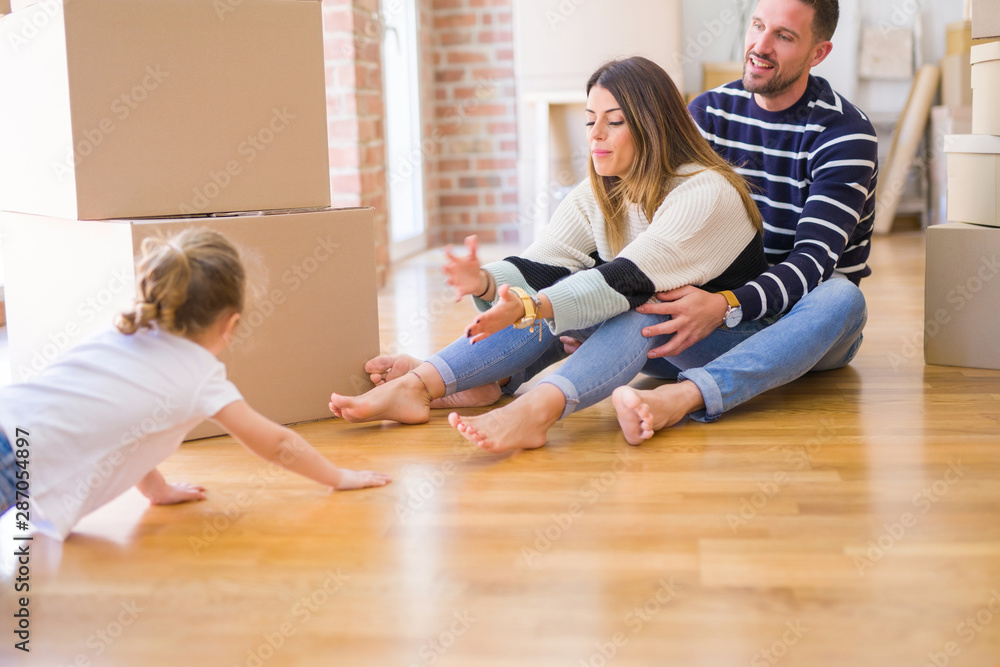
x=813 y=167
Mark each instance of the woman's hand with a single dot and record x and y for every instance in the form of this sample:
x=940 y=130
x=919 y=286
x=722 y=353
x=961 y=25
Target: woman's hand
x=465 y=274
x=506 y=311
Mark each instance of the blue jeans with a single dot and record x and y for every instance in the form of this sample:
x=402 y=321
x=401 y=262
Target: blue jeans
x=612 y=355
x=8 y=480
x=822 y=331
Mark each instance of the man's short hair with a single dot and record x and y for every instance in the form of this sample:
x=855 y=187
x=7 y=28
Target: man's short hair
x=825 y=21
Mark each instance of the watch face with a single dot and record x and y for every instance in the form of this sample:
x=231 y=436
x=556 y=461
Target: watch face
x=734 y=317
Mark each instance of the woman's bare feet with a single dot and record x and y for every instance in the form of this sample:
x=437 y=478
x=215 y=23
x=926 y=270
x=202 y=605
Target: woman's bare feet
x=405 y=401
x=641 y=413
x=522 y=424
x=388 y=367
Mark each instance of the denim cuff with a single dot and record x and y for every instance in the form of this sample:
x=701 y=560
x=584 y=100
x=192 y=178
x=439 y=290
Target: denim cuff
x=568 y=389
x=448 y=375
x=710 y=392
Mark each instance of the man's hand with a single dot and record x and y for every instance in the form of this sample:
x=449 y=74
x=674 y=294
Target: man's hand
x=464 y=273
x=694 y=314
x=506 y=311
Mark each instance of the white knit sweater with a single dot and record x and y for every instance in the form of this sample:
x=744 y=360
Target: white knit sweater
x=696 y=234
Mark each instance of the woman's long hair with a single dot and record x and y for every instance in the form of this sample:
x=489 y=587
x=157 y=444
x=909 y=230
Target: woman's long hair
x=665 y=138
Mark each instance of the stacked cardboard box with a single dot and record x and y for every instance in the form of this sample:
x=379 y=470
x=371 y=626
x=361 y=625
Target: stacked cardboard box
x=961 y=303
x=136 y=119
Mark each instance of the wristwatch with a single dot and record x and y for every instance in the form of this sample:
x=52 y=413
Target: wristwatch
x=734 y=313
x=532 y=310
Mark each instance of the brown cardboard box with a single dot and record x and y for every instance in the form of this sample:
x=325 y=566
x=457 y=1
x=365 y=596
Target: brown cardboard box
x=4 y=7
x=956 y=80
x=123 y=109
x=973 y=178
x=714 y=75
x=307 y=335
x=985 y=18
x=986 y=88
x=961 y=296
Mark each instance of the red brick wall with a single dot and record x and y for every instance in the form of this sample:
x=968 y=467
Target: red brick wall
x=473 y=170
x=355 y=113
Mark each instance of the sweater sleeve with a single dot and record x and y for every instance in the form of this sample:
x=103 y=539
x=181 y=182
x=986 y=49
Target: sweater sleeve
x=565 y=246
x=843 y=171
x=698 y=231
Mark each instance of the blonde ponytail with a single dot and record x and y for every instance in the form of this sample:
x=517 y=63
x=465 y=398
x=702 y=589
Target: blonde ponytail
x=185 y=283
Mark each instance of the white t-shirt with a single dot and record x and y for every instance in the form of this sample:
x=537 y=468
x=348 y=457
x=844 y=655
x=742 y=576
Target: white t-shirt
x=106 y=413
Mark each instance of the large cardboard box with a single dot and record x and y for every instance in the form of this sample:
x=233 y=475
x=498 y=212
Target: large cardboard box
x=308 y=331
x=4 y=7
x=956 y=80
x=121 y=109
x=962 y=296
x=985 y=18
x=973 y=178
x=986 y=88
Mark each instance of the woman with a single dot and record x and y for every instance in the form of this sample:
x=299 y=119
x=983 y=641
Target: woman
x=660 y=210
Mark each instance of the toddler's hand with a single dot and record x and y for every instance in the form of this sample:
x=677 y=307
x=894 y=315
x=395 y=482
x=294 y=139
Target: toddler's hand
x=464 y=273
x=361 y=479
x=172 y=494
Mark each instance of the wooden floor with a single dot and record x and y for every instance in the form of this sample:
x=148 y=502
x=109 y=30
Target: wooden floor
x=851 y=518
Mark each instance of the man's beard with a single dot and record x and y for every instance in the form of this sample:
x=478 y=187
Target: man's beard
x=772 y=87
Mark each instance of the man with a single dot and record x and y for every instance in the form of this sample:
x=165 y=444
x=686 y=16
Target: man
x=812 y=157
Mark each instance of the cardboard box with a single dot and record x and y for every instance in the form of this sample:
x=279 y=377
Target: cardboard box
x=944 y=121
x=956 y=80
x=973 y=178
x=985 y=18
x=714 y=75
x=961 y=296
x=4 y=7
x=308 y=334
x=986 y=88
x=123 y=109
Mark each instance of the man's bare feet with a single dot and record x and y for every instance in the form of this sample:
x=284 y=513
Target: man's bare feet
x=404 y=401
x=522 y=424
x=388 y=367
x=643 y=412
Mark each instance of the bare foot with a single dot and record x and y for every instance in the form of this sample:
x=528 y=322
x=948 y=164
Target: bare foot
x=388 y=367
x=404 y=401
x=641 y=413
x=522 y=424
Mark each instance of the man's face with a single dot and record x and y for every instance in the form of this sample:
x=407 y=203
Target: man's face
x=778 y=47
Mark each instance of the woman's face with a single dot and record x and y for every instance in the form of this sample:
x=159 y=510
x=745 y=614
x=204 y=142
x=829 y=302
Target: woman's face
x=611 y=145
